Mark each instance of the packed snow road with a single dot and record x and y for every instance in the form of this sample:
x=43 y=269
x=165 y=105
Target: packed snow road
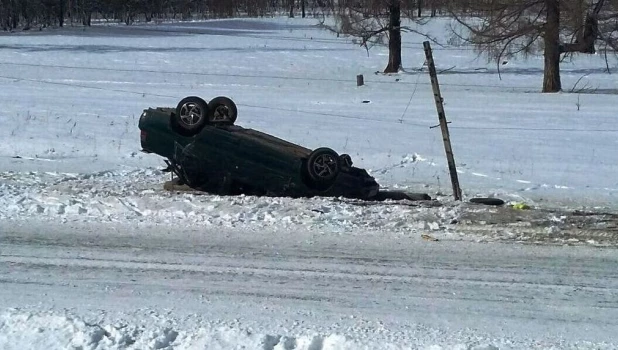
x=119 y=287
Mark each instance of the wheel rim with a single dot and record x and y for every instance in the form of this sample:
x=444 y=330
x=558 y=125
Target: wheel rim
x=221 y=114
x=190 y=113
x=325 y=166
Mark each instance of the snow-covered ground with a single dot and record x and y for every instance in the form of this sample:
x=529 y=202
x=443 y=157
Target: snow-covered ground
x=120 y=286
x=92 y=245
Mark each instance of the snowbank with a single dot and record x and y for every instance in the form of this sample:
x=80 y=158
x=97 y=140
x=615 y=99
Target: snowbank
x=46 y=330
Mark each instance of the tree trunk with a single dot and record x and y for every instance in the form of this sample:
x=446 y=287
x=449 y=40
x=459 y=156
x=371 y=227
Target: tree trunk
x=4 y=13
x=15 y=15
x=419 y=8
x=26 y=14
x=551 y=76
x=302 y=7
x=394 y=37
x=61 y=13
x=291 y=8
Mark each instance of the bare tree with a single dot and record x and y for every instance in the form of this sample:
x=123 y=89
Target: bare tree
x=43 y=13
x=61 y=11
x=506 y=28
x=379 y=22
x=373 y=21
x=394 y=37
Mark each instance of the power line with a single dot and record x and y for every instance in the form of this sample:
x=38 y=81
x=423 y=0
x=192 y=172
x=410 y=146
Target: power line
x=528 y=129
x=82 y=86
x=347 y=40
x=234 y=75
x=418 y=75
x=330 y=114
x=311 y=112
x=170 y=72
x=177 y=97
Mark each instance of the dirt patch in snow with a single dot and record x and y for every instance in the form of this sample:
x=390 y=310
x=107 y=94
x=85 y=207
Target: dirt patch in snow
x=540 y=225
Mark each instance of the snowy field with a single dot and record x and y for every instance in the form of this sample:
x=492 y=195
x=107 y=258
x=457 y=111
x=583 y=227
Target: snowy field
x=96 y=254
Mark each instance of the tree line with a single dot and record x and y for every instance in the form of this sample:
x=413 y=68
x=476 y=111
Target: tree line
x=29 y=14
x=500 y=29
x=555 y=28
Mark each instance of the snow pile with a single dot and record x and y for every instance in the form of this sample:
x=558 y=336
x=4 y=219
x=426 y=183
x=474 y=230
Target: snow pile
x=51 y=331
x=46 y=330
x=137 y=197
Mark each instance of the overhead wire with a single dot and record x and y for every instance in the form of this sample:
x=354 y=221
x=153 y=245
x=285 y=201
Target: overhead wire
x=176 y=97
x=340 y=41
x=17 y=79
x=236 y=75
x=418 y=75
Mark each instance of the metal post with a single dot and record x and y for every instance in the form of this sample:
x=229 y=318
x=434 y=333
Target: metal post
x=360 y=80
x=443 y=124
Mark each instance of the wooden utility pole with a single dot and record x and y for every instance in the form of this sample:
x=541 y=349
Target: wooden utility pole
x=442 y=118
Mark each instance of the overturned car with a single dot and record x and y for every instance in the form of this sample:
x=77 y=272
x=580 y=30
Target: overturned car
x=206 y=151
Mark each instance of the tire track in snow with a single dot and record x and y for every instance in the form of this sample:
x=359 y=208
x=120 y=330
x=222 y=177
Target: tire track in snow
x=492 y=287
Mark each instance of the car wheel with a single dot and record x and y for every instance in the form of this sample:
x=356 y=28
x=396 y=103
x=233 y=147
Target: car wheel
x=487 y=201
x=323 y=166
x=222 y=110
x=191 y=114
x=346 y=162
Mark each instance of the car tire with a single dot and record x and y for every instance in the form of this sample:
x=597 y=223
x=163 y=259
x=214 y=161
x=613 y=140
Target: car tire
x=191 y=114
x=222 y=110
x=487 y=201
x=323 y=166
x=346 y=162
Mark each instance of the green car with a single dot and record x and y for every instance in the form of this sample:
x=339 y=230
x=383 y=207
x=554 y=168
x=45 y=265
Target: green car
x=204 y=148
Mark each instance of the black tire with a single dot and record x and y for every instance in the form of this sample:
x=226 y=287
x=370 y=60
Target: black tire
x=222 y=111
x=323 y=166
x=487 y=201
x=191 y=114
x=346 y=162
x=400 y=195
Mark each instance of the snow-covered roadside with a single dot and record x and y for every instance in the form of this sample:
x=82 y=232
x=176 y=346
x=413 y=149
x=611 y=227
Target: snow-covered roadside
x=137 y=198
x=102 y=286
x=25 y=330
x=21 y=330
